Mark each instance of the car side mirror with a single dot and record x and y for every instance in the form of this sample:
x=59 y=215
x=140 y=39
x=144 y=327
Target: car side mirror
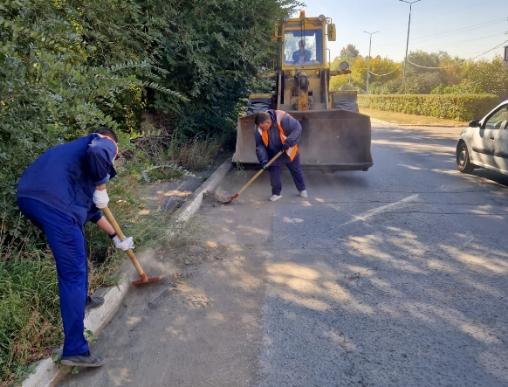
x=474 y=124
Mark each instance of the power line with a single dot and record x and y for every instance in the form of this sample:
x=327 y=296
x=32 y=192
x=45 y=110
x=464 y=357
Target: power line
x=427 y=67
x=383 y=75
x=490 y=50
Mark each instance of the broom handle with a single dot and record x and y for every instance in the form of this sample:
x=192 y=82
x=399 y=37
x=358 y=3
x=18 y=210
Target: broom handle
x=260 y=172
x=111 y=219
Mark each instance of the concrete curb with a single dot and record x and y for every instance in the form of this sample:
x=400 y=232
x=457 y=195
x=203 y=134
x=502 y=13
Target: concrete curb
x=183 y=214
x=46 y=372
x=432 y=125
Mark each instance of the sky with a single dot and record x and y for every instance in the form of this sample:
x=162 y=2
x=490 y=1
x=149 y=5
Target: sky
x=463 y=28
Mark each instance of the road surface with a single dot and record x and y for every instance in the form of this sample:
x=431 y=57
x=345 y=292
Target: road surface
x=392 y=277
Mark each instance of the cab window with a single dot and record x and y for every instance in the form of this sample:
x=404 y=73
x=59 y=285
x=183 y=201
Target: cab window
x=303 y=47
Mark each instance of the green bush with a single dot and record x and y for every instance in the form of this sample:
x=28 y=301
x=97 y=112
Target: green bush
x=462 y=107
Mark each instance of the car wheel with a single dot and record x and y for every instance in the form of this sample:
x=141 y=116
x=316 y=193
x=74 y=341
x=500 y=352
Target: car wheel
x=463 y=161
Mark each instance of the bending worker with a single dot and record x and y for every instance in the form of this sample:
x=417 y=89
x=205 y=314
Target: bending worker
x=276 y=131
x=59 y=192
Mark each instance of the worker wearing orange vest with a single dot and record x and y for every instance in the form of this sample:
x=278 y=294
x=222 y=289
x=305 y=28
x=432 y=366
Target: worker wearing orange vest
x=277 y=130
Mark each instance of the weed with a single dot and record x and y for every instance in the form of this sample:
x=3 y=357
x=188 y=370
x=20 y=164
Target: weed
x=29 y=313
x=195 y=154
x=90 y=336
x=157 y=173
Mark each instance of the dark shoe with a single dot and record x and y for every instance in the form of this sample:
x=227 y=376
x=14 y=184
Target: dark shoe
x=94 y=301
x=82 y=361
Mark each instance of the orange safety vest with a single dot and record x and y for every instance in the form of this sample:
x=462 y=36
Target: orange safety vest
x=291 y=152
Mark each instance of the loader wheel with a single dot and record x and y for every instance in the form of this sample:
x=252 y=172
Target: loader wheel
x=463 y=161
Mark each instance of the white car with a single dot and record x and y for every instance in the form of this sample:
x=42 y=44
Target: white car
x=485 y=142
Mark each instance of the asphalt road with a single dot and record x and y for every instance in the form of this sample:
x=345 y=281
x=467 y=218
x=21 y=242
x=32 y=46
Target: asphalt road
x=392 y=277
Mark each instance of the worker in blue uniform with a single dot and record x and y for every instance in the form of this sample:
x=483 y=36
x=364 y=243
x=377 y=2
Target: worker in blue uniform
x=59 y=192
x=279 y=131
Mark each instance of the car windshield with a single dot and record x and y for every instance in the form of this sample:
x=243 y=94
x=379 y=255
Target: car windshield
x=302 y=47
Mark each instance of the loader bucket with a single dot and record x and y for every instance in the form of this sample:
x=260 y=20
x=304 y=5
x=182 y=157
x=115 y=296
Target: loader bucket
x=330 y=138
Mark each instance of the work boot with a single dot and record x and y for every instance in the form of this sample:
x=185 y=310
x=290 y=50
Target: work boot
x=82 y=361
x=94 y=301
x=304 y=194
x=274 y=198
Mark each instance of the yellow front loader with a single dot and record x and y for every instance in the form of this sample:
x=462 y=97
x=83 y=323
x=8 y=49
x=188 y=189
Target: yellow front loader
x=334 y=133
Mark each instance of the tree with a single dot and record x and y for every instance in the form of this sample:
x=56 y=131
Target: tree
x=490 y=77
x=349 y=52
x=214 y=62
x=382 y=70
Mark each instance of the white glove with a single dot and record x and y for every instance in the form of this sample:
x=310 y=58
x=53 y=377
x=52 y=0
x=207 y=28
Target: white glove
x=100 y=198
x=126 y=244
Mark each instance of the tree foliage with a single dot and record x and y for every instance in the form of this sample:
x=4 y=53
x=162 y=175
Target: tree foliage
x=348 y=53
x=214 y=60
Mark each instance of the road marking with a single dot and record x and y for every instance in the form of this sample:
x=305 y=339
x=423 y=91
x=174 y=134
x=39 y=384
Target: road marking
x=380 y=210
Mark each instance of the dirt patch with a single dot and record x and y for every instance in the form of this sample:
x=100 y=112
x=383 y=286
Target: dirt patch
x=210 y=200
x=198 y=252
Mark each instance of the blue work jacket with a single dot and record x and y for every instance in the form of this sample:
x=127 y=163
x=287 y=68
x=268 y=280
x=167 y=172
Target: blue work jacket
x=65 y=176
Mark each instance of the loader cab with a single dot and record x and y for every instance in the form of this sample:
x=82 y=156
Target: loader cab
x=303 y=68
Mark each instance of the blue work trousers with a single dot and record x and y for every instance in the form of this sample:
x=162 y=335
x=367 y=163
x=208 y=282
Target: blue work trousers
x=67 y=242
x=294 y=168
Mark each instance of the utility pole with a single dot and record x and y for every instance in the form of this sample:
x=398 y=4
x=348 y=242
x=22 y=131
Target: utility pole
x=410 y=2
x=368 y=59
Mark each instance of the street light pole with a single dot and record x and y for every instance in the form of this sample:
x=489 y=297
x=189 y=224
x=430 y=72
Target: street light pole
x=410 y=2
x=368 y=59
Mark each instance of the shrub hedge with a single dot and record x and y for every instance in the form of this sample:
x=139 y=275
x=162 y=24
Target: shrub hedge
x=461 y=107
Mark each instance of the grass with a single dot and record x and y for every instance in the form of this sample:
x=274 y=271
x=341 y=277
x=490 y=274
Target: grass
x=29 y=317
x=30 y=324
x=409 y=119
x=195 y=154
